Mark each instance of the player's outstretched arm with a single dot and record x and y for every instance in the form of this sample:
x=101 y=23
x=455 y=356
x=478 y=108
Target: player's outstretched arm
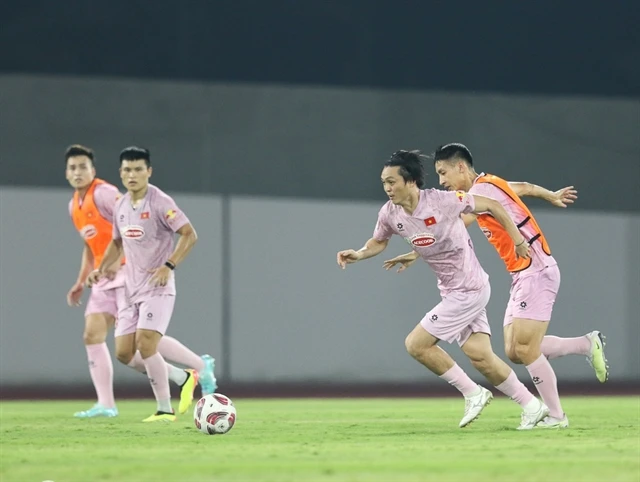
x=86 y=264
x=559 y=198
x=372 y=248
x=404 y=260
x=493 y=207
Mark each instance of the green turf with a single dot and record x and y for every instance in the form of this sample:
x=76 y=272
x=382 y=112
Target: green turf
x=403 y=440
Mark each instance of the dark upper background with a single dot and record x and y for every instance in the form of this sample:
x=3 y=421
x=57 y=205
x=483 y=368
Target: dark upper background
x=563 y=48
x=553 y=49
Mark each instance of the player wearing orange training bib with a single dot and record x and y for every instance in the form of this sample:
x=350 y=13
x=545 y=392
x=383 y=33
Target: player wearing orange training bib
x=535 y=281
x=91 y=210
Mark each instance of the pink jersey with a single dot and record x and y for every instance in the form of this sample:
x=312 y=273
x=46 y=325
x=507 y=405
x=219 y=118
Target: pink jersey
x=539 y=259
x=104 y=196
x=436 y=232
x=147 y=233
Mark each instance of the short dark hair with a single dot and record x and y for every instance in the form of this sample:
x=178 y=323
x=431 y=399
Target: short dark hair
x=450 y=152
x=410 y=164
x=78 y=150
x=133 y=153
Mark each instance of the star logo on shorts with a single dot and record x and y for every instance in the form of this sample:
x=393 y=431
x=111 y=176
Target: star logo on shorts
x=434 y=317
x=400 y=226
x=523 y=304
x=149 y=315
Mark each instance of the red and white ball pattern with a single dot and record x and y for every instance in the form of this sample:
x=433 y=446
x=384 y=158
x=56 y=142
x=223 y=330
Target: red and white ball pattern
x=214 y=414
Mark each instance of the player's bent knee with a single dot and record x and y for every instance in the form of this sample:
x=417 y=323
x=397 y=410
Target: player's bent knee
x=410 y=345
x=146 y=345
x=522 y=352
x=483 y=365
x=93 y=335
x=92 y=338
x=419 y=341
x=124 y=352
x=124 y=357
x=414 y=346
x=96 y=328
x=511 y=354
x=479 y=357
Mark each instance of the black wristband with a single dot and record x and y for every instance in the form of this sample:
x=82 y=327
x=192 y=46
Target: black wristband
x=170 y=265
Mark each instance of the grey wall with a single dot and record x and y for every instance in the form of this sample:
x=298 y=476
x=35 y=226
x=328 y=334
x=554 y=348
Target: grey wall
x=301 y=166
x=40 y=336
x=310 y=142
x=294 y=315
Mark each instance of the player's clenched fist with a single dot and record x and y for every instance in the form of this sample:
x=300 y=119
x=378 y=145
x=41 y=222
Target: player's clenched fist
x=93 y=277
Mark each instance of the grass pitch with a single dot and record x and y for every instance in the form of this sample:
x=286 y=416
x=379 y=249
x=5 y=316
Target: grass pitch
x=335 y=440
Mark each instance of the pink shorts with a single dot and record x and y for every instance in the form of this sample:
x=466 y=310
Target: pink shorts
x=107 y=296
x=532 y=295
x=105 y=301
x=152 y=313
x=459 y=315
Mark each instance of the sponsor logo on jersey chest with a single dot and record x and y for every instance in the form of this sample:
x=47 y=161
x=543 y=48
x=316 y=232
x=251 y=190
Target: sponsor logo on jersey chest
x=89 y=231
x=422 y=240
x=132 y=232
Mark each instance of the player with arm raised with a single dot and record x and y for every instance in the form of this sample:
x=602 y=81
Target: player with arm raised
x=535 y=282
x=429 y=220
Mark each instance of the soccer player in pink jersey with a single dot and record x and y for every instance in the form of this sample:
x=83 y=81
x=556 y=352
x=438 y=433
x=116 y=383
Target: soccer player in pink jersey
x=429 y=220
x=92 y=211
x=535 y=282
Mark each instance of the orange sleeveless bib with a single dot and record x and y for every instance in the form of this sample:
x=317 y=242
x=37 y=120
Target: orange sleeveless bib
x=94 y=229
x=497 y=235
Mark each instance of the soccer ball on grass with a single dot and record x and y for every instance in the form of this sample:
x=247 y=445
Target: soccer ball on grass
x=214 y=414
